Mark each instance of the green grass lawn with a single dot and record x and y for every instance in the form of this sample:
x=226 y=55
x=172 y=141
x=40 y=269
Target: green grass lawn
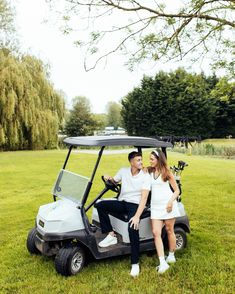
x=207 y=265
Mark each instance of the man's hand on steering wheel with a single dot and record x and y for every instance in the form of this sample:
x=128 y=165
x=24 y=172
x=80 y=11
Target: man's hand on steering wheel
x=111 y=184
x=108 y=178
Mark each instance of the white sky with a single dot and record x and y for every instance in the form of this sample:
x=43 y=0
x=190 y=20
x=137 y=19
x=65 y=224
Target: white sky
x=46 y=42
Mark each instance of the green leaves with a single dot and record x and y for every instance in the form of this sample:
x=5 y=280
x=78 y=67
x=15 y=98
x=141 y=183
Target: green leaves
x=156 y=31
x=114 y=118
x=176 y=103
x=80 y=121
x=31 y=112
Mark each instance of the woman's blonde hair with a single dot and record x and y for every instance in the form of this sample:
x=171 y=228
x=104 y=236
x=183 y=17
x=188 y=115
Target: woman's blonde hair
x=162 y=166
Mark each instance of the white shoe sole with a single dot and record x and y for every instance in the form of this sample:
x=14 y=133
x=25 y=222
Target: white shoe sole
x=134 y=276
x=170 y=261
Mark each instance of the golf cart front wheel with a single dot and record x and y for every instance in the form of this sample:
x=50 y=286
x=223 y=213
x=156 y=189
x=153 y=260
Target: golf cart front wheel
x=181 y=238
x=69 y=260
x=31 y=242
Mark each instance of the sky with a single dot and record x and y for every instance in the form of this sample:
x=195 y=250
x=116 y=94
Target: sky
x=45 y=41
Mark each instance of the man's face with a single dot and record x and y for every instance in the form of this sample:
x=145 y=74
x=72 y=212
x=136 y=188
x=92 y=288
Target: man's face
x=136 y=162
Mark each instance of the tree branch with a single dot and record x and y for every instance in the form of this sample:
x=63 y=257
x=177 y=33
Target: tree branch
x=115 y=49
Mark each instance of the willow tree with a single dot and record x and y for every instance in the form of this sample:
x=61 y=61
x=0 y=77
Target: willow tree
x=153 y=30
x=31 y=111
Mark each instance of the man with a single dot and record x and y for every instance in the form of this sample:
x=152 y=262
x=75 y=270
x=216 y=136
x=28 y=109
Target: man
x=129 y=201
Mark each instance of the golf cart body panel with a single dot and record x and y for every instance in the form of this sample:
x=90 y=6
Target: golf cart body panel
x=63 y=225
x=59 y=217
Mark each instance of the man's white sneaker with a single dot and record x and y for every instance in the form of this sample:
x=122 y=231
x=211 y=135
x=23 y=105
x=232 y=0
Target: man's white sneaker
x=135 y=270
x=170 y=259
x=108 y=241
x=162 y=268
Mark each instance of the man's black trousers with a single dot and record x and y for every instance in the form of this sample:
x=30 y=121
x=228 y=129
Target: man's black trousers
x=105 y=207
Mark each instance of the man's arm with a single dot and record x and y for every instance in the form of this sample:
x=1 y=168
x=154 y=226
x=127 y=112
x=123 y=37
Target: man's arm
x=136 y=218
x=116 y=179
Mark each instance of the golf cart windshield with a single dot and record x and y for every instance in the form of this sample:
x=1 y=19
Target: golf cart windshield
x=70 y=185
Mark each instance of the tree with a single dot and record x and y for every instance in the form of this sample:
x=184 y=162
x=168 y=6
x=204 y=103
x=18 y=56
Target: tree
x=7 y=28
x=114 y=114
x=224 y=95
x=80 y=121
x=101 y=121
x=176 y=103
x=31 y=111
x=152 y=30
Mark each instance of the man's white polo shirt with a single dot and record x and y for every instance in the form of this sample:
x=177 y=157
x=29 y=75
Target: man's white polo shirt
x=131 y=185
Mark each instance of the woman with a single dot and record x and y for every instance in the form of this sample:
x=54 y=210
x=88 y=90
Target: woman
x=164 y=207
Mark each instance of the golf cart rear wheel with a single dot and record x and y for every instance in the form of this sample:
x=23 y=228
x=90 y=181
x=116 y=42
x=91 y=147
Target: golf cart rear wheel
x=181 y=238
x=69 y=260
x=31 y=242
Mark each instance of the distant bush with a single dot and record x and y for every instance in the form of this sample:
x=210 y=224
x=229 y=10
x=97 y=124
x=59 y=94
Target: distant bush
x=208 y=149
x=229 y=152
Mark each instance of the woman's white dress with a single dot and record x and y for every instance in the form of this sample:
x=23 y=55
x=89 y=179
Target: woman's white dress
x=160 y=195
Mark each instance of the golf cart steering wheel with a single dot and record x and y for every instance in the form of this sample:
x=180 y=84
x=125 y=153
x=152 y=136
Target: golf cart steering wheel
x=111 y=186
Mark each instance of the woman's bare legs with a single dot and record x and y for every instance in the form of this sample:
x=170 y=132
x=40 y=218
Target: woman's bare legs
x=157 y=234
x=169 y=225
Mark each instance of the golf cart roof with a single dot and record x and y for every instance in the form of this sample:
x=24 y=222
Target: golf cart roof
x=116 y=141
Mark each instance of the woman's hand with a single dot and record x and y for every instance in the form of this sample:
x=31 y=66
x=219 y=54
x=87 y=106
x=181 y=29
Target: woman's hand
x=169 y=206
x=134 y=221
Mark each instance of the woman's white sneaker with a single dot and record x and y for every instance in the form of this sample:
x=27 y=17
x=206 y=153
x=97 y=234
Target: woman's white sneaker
x=108 y=241
x=170 y=259
x=162 y=268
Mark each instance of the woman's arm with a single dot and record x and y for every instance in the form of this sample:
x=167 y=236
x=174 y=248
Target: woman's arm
x=175 y=187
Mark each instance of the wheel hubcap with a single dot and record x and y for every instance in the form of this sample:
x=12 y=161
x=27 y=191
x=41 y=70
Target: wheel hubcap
x=76 y=262
x=179 y=241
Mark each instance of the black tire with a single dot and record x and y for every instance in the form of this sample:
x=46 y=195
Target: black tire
x=181 y=238
x=70 y=260
x=31 y=242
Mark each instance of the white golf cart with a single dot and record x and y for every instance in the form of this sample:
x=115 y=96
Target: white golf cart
x=63 y=229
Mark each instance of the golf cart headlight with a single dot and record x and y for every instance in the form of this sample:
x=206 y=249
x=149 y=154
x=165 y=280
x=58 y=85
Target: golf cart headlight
x=41 y=223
